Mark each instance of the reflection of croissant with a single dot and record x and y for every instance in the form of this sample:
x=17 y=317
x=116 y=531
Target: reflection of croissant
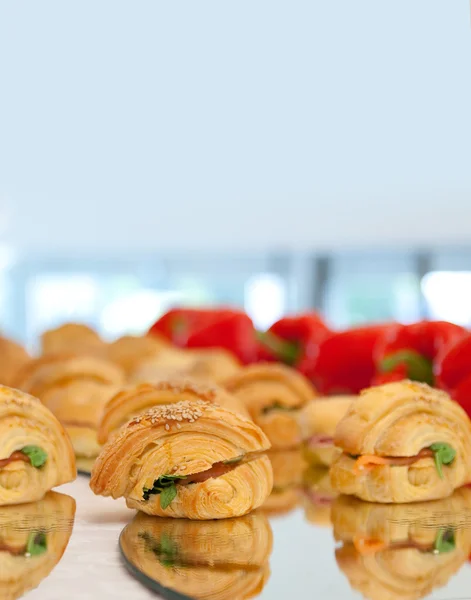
x=393 y=552
x=288 y=467
x=204 y=364
x=189 y=459
x=402 y=442
x=318 y=496
x=33 y=538
x=71 y=338
x=273 y=395
x=136 y=399
x=36 y=452
x=76 y=390
x=213 y=560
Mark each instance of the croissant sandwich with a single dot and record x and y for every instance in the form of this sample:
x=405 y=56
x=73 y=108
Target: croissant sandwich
x=129 y=351
x=134 y=400
x=318 y=419
x=189 y=459
x=274 y=395
x=35 y=451
x=33 y=538
x=14 y=357
x=76 y=390
x=399 y=552
x=72 y=338
x=212 y=560
x=402 y=442
x=213 y=365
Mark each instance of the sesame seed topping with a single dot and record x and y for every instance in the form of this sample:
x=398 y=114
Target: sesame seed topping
x=187 y=410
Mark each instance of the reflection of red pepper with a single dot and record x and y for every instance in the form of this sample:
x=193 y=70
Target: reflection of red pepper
x=231 y=330
x=344 y=364
x=294 y=341
x=179 y=323
x=412 y=350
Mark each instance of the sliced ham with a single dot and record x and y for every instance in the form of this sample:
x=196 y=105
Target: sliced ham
x=367 y=462
x=216 y=470
x=15 y=456
x=320 y=441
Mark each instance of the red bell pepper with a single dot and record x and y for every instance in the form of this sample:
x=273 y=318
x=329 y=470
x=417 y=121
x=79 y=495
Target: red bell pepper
x=454 y=372
x=344 y=363
x=412 y=350
x=231 y=330
x=179 y=323
x=294 y=341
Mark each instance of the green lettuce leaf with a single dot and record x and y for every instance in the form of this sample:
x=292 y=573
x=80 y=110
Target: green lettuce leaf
x=165 y=486
x=36 y=455
x=444 y=454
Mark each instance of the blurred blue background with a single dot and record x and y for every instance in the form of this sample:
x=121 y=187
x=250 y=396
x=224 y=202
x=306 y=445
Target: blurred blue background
x=273 y=155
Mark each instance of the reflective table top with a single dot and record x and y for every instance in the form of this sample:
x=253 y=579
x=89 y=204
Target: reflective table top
x=295 y=549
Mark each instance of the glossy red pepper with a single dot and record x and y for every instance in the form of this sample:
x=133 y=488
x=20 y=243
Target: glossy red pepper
x=344 y=364
x=294 y=341
x=414 y=349
x=233 y=331
x=178 y=324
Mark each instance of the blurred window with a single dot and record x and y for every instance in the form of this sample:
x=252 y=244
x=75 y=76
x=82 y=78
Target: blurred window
x=448 y=295
x=371 y=288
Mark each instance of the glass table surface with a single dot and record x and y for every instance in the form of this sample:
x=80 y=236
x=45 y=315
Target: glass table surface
x=306 y=544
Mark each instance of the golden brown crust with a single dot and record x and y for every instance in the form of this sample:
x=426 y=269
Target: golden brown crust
x=24 y=421
x=134 y=400
x=179 y=440
x=213 y=365
x=26 y=375
x=273 y=395
x=14 y=357
x=129 y=351
x=220 y=560
x=54 y=517
x=62 y=371
x=400 y=420
x=71 y=338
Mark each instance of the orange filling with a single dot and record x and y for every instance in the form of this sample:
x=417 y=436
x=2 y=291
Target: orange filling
x=367 y=462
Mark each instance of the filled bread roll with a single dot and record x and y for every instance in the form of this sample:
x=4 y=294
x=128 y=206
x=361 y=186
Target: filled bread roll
x=35 y=452
x=76 y=390
x=129 y=351
x=393 y=552
x=33 y=538
x=402 y=442
x=72 y=338
x=213 y=365
x=25 y=377
x=133 y=400
x=189 y=459
x=319 y=419
x=13 y=358
x=273 y=395
x=318 y=496
x=212 y=560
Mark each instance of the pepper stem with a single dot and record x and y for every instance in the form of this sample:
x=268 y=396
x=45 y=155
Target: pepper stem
x=418 y=367
x=284 y=350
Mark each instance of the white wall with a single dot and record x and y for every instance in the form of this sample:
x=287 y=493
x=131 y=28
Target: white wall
x=243 y=124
